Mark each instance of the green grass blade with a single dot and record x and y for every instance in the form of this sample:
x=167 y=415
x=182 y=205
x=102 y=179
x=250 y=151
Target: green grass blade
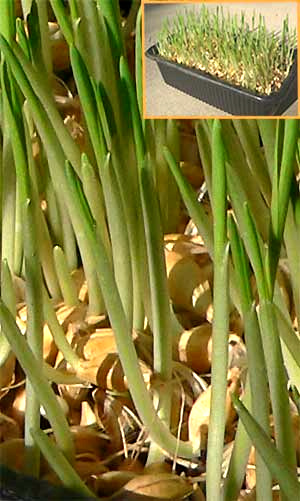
x=251 y=239
x=291 y=240
x=57 y=331
x=282 y=183
x=89 y=106
x=241 y=265
x=239 y=457
x=63 y=20
x=82 y=220
x=189 y=197
x=203 y=136
x=135 y=112
x=256 y=364
x=160 y=303
x=34 y=331
x=8 y=185
x=120 y=245
x=60 y=465
x=278 y=466
x=267 y=129
x=256 y=159
x=242 y=184
x=7 y=20
x=36 y=90
x=220 y=320
x=40 y=384
x=158 y=279
x=9 y=298
x=291 y=135
x=112 y=16
x=277 y=381
x=65 y=280
x=291 y=341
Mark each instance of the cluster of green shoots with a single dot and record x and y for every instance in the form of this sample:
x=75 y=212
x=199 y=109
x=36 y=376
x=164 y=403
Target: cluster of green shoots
x=110 y=205
x=230 y=48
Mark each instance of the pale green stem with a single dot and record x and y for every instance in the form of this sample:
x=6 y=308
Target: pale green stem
x=203 y=136
x=7 y=21
x=132 y=210
x=7 y=288
x=162 y=172
x=189 y=197
x=18 y=251
x=158 y=278
x=60 y=465
x=62 y=19
x=290 y=346
x=267 y=129
x=41 y=88
x=34 y=332
x=9 y=298
x=166 y=133
x=46 y=255
x=52 y=212
x=41 y=387
x=59 y=376
x=283 y=179
x=275 y=461
x=106 y=72
x=93 y=34
x=131 y=200
x=69 y=238
x=161 y=322
x=45 y=39
x=122 y=263
x=257 y=369
x=278 y=382
x=218 y=379
x=174 y=198
x=66 y=282
x=57 y=332
x=45 y=243
x=239 y=457
x=243 y=181
x=111 y=13
x=255 y=157
x=291 y=240
x=94 y=194
x=219 y=359
x=8 y=201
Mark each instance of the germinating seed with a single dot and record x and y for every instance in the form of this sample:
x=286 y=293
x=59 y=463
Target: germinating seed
x=230 y=48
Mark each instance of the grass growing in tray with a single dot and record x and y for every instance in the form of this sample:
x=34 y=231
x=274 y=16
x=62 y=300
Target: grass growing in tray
x=229 y=47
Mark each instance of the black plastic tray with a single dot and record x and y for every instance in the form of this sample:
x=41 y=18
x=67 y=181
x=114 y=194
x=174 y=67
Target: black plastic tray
x=230 y=98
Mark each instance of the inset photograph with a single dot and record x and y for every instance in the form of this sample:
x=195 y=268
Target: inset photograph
x=220 y=59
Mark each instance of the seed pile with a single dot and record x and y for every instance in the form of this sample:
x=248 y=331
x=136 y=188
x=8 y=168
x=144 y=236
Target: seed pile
x=229 y=47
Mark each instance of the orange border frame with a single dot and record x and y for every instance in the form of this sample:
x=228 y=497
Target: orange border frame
x=199 y=117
